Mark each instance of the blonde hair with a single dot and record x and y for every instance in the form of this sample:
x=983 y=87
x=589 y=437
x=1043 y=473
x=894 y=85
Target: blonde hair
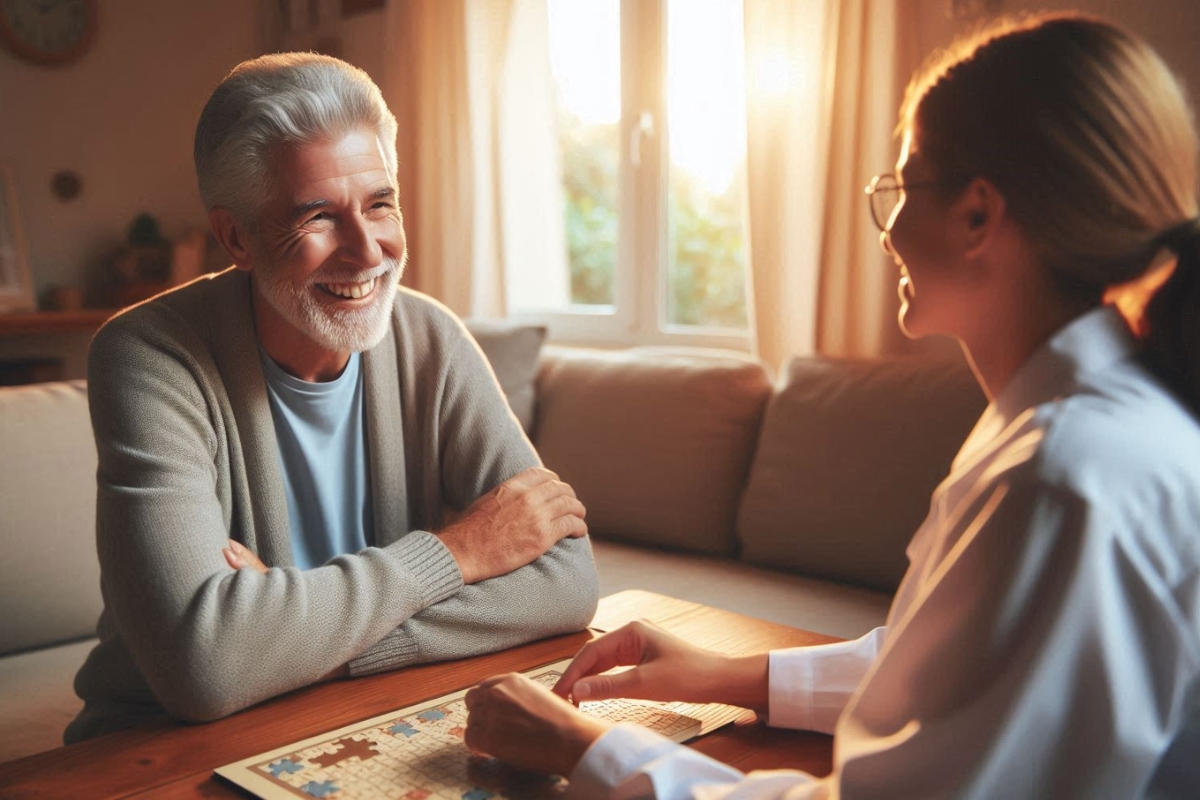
x=1089 y=138
x=284 y=98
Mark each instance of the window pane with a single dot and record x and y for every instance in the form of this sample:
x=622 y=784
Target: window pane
x=706 y=102
x=585 y=60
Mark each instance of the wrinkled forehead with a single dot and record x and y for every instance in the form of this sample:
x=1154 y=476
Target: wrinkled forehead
x=358 y=152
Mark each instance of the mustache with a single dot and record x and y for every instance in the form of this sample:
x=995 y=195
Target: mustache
x=392 y=266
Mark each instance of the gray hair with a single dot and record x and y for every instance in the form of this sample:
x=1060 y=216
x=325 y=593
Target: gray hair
x=283 y=98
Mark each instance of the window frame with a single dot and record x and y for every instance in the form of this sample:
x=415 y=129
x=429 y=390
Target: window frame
x=641 y=288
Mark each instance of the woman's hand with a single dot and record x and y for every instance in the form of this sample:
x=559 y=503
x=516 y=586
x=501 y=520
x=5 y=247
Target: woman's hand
x=665 y=667
x=518 y=721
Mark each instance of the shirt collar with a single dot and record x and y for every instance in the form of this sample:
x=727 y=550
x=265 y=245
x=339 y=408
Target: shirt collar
x=1088 y=344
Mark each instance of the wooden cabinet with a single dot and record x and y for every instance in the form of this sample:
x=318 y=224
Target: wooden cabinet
x=47 y=345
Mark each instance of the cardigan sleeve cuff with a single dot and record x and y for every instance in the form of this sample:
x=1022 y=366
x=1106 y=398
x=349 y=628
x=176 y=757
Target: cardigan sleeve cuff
x=393 y=651
x=436 y=573
x=431 y=565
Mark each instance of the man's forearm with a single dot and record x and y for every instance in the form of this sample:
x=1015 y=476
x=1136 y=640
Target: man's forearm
x=555 y=594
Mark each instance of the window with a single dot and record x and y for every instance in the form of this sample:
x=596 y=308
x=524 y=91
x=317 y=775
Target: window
x=650 y=113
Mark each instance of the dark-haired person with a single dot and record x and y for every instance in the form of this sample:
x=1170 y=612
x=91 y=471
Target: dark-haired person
x=301 y=418
x=1045 y=641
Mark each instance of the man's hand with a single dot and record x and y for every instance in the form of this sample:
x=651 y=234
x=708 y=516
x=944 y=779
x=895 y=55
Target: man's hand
x=513 y=525
x=518 y=721
x=665 y=667
x=237 y=555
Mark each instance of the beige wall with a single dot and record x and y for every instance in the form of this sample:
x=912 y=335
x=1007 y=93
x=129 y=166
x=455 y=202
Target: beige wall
x=122 y=117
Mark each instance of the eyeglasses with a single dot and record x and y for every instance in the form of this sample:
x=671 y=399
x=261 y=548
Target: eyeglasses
x=884 y=194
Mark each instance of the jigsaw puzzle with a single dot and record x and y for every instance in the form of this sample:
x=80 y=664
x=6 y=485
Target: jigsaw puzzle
x=418 y=752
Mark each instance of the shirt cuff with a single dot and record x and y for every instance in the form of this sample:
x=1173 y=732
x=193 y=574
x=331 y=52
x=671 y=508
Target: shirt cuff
x=789 y=689
x=613 y=759
x=808 y=687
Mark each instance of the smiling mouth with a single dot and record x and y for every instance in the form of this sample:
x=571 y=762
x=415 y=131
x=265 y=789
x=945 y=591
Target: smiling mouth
x=349 y=291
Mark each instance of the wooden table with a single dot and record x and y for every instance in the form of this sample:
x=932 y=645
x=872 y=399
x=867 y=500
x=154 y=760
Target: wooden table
x=173 y=760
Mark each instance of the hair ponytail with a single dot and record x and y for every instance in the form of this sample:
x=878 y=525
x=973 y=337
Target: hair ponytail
x=1173 y=316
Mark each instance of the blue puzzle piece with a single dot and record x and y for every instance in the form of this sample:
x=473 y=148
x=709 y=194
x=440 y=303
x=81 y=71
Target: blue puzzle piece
x=322 y=789
x=478 y=794
x=402 y=728
x=284 y=765
x=432 y=715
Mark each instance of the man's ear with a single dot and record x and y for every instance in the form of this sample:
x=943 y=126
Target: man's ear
x=232 y=237
x=979 y=214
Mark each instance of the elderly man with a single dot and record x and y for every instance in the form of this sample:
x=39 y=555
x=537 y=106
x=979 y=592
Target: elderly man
x=301 y=409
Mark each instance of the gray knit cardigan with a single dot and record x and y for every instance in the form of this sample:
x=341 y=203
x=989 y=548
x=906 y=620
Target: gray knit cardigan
x=188 y=458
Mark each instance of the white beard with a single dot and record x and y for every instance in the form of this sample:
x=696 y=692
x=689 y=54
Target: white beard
x=338 y=329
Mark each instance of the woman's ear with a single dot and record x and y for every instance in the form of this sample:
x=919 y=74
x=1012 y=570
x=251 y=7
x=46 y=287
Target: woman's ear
x=232 y=237
x=979 y=213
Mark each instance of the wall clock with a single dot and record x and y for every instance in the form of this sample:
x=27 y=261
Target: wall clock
x=47 y=32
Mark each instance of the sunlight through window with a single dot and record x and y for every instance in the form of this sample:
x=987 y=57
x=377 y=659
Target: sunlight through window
x=706 y=130
x=585 y=61
x=660 y=214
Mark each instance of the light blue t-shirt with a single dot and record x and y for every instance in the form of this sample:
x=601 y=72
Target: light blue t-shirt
x=322 y=439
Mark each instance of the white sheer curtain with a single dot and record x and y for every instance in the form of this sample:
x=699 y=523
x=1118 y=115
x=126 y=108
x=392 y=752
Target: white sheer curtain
x=822 y=96
x=469 y=81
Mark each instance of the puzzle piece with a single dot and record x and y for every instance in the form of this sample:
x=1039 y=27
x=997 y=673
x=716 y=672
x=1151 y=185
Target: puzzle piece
x=478 y=794
x=349 y=749
x=284 y=765
x=322 y=789
x=402 y=728
x=431 y=715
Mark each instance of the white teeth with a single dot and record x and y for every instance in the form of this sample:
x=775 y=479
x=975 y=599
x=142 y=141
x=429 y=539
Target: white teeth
x=351 y=291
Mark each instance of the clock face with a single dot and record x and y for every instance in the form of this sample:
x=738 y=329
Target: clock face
x=47 y=31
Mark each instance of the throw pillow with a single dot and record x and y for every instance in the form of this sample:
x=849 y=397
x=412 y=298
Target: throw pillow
x=850 y=452
x=512 y=351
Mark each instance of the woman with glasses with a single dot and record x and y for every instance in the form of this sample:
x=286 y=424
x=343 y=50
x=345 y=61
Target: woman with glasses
x=1045 y=641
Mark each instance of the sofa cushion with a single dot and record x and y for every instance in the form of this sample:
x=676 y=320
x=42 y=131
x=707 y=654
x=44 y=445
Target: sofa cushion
x=38 y=699
x=850 y=452
x=49 y=574
x=655 y=441
x=512 y=351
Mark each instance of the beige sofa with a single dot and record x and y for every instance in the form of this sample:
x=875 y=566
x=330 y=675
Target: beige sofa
x=790 y=500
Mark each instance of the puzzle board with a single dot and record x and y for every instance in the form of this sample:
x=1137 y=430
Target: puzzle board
x=418 y=752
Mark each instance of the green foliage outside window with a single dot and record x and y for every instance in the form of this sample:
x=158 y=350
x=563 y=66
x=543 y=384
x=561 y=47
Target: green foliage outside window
x=706 y=277
x=591 y=190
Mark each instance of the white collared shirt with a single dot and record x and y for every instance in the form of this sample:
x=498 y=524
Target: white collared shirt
x=1045 y=641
